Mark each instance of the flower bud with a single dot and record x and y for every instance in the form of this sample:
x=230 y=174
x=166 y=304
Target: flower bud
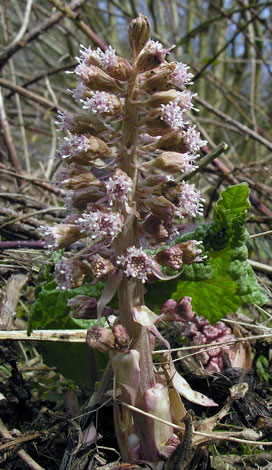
x=201 y=322
x=168 y=308
x=139 y=34
x=174 y=141
x=153 y=182
x=96 y=79
x=162 y=97
x=80 y=198
x=170 y=257
x=120 y=69
x=80 y=124
x=100 y=338
x=178 y=311
x=155 y=228
x=85 y=307
x=76 y=176
x=101 y=267
x=172 y=162
x=83 y=149
x=161 y=208
x=71 y=273
x=105 y=104
x=155 y=125
x=184 y=309
x=158 y=79
x=215 y=364
x=171 y=191
x=60 y=236
x=190 y=252
x=115 y=66
x=151 y=56
x=121 y=336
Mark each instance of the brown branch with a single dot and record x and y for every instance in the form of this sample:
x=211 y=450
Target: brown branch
x=10 y=299
x=31 y=244
x=29 y=94
x=21 y=453
x=26 y=216
x=246 y=130
x=37 y=182
x=47 y=73
x=66 y=10
x=24 y=200
x=4 y=125
x=36 y=32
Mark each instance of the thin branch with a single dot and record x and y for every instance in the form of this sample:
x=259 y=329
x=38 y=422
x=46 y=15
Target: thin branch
x=261 y=234
x=213 y=435
x=79 y=336
x=246 y=130
x=67 y=10
x=265 y=268
x=7 y=137
x=71 y=336
x=203 y=162
x=20 y=118
x=24 y=25
x=21 y=453
x=45 y=184
x=36 y=32
x=29 y=94
x=27 y=216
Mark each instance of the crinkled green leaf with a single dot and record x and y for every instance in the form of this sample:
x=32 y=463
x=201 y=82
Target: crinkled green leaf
x=225 y=280
x=51 y=310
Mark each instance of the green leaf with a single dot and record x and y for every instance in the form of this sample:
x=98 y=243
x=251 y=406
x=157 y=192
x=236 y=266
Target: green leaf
x=73 y=360
x=225 y=280
x=51 y=310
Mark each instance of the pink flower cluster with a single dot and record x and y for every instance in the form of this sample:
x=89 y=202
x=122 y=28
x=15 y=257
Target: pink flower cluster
x=101 y=195
x=198 y=331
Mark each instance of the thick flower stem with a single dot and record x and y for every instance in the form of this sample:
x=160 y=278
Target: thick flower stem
x=131 y=292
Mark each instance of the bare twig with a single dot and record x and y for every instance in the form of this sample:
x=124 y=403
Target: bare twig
x=26 y=216
x=10 y=299
x=36 y=32
x=24 y=25
x=79 y=336
x=246 y=130
x=21 y=453
x=203 y=162
x=29 y=94
x=265 y=268
x=45 y=184
x=7 y=137
x=212 y=436
x=71 y=336
x=66 y=9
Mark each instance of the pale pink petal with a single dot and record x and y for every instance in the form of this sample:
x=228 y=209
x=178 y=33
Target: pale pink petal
x=126 y=371
x=144 y=315
x=184 y=389
x=110 y=288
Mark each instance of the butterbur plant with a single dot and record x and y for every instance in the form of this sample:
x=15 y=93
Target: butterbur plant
x=125 y=156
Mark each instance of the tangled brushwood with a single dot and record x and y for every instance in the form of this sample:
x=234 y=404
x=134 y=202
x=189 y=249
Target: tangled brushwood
x=126 y=156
